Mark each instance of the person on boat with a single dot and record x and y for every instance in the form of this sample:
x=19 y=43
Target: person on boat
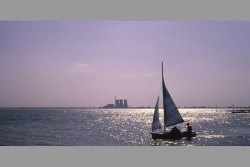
x=189 y=128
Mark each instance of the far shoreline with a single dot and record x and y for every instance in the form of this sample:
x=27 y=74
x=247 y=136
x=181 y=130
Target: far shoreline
x=194 y=107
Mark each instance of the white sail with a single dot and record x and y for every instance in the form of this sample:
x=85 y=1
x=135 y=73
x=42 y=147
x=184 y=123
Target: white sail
x=156 y=122
x=172 y=115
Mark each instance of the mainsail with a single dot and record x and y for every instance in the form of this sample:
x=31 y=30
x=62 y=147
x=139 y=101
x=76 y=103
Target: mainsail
x=156 y=122
x=171 y=114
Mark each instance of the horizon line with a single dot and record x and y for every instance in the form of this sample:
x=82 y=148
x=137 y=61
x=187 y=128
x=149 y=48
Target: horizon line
x=101 y=107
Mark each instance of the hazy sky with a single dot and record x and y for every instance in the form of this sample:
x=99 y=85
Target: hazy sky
x=88 y=63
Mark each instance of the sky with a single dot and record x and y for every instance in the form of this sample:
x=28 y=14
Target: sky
x=88 y=63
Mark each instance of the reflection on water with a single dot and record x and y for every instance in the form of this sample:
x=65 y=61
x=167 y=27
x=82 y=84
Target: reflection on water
x=117 y=127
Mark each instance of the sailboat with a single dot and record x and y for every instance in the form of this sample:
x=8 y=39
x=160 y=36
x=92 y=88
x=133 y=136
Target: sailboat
x=172 y=117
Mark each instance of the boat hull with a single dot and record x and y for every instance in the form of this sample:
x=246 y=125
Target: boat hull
x=171 y=136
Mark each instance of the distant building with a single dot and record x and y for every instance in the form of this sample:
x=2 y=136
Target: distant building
x=119 y=103
x=109 y=106
x=125 y=103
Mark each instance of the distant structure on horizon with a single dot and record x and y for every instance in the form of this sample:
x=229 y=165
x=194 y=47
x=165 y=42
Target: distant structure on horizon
x=119 y=103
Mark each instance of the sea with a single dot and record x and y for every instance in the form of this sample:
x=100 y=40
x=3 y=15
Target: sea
x=117 y=127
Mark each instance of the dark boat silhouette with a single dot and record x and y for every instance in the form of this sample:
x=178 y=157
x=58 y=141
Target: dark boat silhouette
x=240 y=111
x=172 y=117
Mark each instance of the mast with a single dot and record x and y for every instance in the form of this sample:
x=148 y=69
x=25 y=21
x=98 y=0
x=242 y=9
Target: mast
x=163 y=96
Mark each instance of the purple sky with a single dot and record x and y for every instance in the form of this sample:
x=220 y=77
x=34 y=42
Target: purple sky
x=88 y=63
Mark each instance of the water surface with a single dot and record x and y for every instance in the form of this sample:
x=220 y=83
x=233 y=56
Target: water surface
x=116 y=127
